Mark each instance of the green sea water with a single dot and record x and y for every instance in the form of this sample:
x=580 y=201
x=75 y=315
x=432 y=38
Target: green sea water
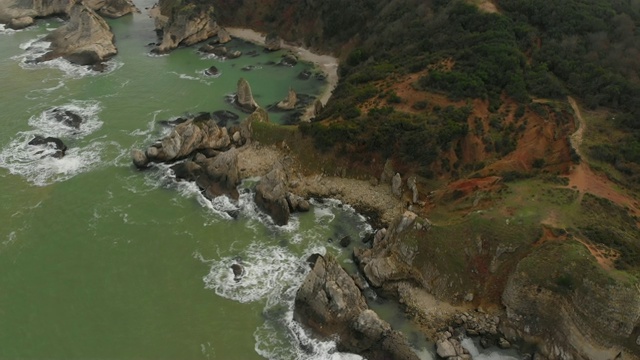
x=101 y=261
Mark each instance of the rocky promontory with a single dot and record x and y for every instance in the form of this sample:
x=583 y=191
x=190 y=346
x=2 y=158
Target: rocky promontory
x=330 y=303
x=86 y=39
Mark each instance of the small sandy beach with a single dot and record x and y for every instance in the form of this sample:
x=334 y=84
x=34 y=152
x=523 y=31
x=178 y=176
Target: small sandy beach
x=326 y=63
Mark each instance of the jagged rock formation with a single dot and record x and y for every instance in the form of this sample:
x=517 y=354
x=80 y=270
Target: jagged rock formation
x=244 y=97
x=86 y=39
x=411 y=184
x=330 y=303
x=194 y=134
x=183 y=24
x=396 y=185
x=223 y=36
x=112 y=8
x=290 y=102
x=19 y=14
x=271 y=195
x=218 y=175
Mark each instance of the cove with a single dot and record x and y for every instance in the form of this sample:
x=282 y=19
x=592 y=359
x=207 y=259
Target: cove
x=99 y=260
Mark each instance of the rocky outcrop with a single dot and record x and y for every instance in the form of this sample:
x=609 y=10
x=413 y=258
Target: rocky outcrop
x=588 y=317
x=194 y=134
x=244 y=97
x=411 y=184
x=67 y=118
x=223 y=36
x=112 y=8
x=330 y=303
x=396 y=185
x=18 y=14
x=56 y=144
x=271 y=195
x=218 y=175
x=272 y=42
x=290 y=102
x=85 y=39
x=386 y=263
x=183 y=23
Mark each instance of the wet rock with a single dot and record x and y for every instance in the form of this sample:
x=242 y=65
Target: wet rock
x=221 y=175
x=345 y=241
x=68 y=118
x=140 y=159
x=238 y=272
x=224 y=117
x=304 y=74
x=297 y=203
x=212 y=71
x=288 y=60
x=445 y=349
x=49 y=141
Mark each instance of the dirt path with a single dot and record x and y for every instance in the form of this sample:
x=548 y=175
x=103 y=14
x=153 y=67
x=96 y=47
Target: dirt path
x=582 y=177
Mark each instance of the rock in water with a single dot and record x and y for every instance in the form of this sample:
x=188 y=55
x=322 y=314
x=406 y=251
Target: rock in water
x=140 y=159
x=212 y=71
x=57 y=144
x=238 y=272
x=290 y=102
x=244 y=97
x=68 y=118
x=271 y=195
x=273 y=42
x=112 y=8
x=221 y=175
x=183 y=23
x=330 y=303
x=85 y=39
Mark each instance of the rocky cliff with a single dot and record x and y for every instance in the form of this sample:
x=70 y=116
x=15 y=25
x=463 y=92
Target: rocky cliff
x=86 y=39
x=179 y=23
x=330 y=303
x=112 y=8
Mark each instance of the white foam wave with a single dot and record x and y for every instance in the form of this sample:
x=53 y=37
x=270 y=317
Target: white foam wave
x=34 y=163
x=488 y=354
x=4 y=30
x=35 y=48
x=87 y=109
x=194 y=78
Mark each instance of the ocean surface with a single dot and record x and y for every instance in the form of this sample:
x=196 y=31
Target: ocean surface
x=99 y=260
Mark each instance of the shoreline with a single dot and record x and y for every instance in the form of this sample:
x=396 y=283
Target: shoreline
x=325 y=63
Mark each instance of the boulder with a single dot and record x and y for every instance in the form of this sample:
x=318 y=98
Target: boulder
x=272 y=42
x=49 y=141
x=411 y=184
x=297 y=203
x=140 y=159
x=21 y=22
x=330 y=303
x=223 y=36
x=290 y=102
x=68 y=118
x=212 y=71
x=221 y=175
x=183 y=23
x=238 y=272
x=85 y=39
x=271 y=195
x=188 y=137
x=288 y=60
x=396 y=185
x=244 y=97
x=112 y=8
